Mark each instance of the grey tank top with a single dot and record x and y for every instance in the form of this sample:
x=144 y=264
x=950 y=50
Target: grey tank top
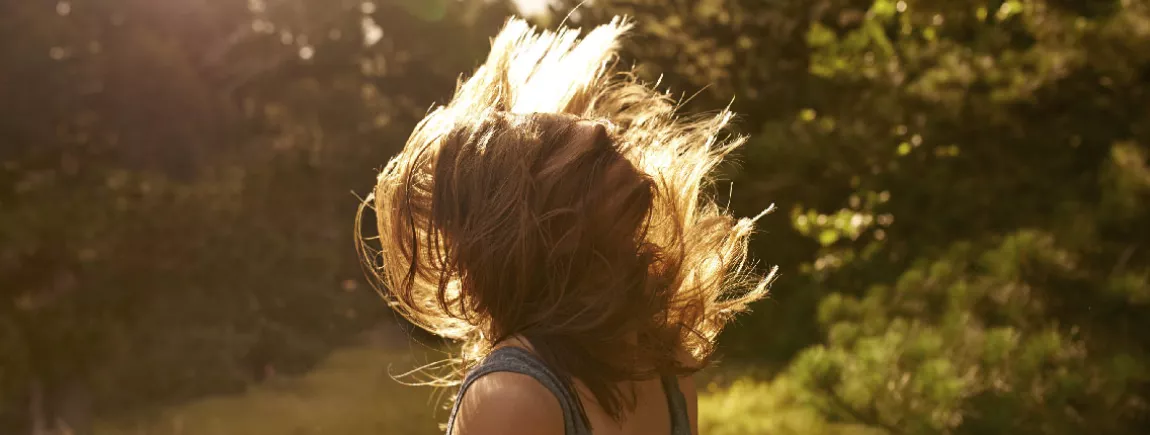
x=516 y=360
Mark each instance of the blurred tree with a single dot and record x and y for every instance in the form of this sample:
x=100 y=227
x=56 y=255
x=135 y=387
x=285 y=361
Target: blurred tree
x=985 y=341
x=1017 y=118
x=82 y=181
x=175 y=200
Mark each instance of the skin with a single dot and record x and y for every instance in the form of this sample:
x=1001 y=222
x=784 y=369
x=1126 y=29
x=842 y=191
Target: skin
x=511 y=404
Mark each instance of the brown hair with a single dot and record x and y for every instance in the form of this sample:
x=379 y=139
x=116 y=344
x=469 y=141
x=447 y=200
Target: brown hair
x=561 y=200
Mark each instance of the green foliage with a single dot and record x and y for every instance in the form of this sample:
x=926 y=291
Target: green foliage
x=969 y=343
x=750 y=407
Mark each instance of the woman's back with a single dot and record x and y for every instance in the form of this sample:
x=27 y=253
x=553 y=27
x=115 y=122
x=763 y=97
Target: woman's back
x=512 y=389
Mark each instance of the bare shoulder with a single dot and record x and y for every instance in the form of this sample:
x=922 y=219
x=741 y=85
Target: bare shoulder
x=508 y=403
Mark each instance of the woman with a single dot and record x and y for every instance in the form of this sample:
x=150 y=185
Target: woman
x=550 y=217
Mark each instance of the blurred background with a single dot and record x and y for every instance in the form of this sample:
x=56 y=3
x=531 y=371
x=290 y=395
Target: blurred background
x=963 y=235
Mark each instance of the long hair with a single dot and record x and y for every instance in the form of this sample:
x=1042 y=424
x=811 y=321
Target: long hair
x=560 y=199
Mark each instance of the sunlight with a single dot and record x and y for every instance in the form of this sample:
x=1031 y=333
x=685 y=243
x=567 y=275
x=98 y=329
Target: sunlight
x=531 y=8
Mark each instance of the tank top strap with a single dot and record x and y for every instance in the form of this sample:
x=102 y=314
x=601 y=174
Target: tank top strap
x=517 y=360
x=677 y=406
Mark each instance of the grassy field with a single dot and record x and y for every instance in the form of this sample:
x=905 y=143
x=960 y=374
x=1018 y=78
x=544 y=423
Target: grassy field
x=353 y=393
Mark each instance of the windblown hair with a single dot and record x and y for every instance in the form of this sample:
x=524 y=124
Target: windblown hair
x=604 y=253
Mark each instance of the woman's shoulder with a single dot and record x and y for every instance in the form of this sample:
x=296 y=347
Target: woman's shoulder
x=508 y=403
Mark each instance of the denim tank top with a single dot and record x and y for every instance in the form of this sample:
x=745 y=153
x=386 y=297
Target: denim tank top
x=517 y=360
